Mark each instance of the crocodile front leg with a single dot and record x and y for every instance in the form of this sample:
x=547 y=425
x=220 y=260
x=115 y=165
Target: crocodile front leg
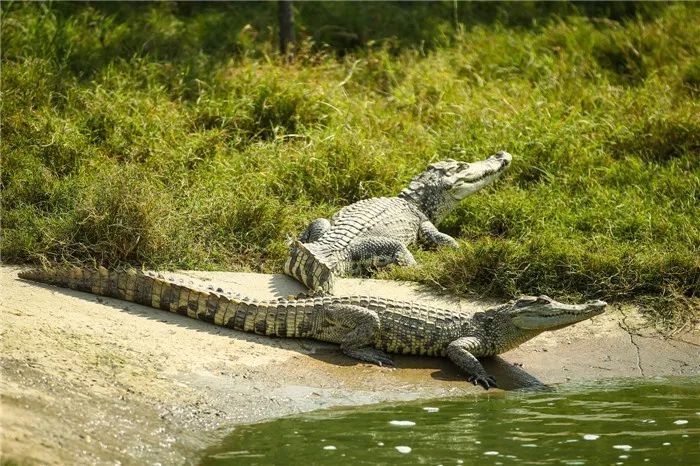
x=375 y=252
x=315 y=230
x=356 y=329
x=429 y=235
x=460 y=352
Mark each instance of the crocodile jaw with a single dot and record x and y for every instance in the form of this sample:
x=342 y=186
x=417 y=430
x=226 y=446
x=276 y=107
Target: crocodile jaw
x=471 y=177
x=438 y=189
x=543 y=313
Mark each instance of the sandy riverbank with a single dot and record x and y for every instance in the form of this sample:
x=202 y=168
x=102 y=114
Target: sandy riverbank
x=96 y=380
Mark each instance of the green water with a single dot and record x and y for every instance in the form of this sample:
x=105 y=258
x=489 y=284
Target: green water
x=623 y=422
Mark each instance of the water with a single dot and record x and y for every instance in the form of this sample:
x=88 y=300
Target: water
x=623 y=422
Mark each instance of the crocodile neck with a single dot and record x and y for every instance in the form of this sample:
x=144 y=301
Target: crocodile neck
x=432 y=203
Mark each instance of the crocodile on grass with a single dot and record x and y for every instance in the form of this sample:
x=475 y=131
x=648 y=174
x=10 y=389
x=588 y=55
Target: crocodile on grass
x=374 y=233
x=364 y=327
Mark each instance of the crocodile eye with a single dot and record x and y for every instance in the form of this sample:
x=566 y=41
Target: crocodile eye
x=525 y=301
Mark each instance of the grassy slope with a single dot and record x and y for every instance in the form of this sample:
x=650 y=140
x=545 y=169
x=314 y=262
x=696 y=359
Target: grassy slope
x=167 y=137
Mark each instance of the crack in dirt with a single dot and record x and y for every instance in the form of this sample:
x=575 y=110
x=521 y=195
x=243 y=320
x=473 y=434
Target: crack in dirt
x=624 y=326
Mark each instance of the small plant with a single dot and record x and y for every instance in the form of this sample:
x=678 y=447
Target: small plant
x=691 y=77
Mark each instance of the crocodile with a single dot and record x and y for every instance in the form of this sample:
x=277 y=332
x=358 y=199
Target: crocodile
x=373 y=233
x=365 y=327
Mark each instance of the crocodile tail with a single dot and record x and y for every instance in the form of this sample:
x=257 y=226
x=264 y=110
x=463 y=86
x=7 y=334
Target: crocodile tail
x=132 y=285
x=127 y=284
x=91 y=280
x=309 y=267
x=281 y=318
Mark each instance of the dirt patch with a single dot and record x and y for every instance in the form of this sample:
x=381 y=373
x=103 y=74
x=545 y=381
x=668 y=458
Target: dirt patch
x=90 y=380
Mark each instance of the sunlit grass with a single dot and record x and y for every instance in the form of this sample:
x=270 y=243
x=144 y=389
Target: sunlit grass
x=173 y=139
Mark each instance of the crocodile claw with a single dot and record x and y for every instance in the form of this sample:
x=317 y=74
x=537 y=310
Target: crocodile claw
x=371 y=355
x=486 y=381
x=386 y=362
x=381 y=359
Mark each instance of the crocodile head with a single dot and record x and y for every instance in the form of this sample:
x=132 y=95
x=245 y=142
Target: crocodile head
x=543 y=313
x=513 y=323
x=438 y=189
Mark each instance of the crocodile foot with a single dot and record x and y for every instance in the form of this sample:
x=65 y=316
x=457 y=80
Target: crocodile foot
x=486 y=381
x=372 y=355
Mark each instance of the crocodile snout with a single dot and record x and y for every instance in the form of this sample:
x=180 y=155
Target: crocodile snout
x=597 y=305
x=504 y=157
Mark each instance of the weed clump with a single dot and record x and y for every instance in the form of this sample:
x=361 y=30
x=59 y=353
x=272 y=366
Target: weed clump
x=691 y=77
x=662 y=141
x=260 y=110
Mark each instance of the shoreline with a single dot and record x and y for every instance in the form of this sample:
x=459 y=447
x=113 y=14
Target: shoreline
x=88 y=379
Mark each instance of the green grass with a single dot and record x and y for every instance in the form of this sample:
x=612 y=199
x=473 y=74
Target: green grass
x=172 y=136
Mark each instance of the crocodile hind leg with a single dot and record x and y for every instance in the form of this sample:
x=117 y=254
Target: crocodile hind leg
x=375 y=252
x=356 y=329
x=461 y=352
x=315 y=230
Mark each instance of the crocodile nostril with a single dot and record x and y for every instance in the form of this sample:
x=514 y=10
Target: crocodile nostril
x=504 y=156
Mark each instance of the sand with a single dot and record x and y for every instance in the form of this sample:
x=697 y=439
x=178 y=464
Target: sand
x=91 y=380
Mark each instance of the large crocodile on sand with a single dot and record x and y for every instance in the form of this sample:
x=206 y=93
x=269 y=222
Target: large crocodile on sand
x=365 y=327
x=376 y=232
